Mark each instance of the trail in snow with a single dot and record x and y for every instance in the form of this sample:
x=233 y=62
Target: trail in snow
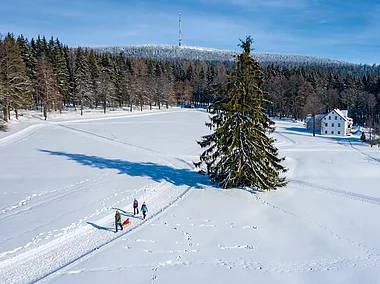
x=350 y=145
x=21 y=135
x=368 y=257
x=335 y=191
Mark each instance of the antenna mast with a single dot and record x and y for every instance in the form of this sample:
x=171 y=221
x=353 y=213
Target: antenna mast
x=180 y=29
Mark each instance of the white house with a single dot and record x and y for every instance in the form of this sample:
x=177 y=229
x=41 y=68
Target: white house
x=337 y=123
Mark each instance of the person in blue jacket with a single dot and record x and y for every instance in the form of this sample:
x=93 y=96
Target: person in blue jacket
x=144 y=210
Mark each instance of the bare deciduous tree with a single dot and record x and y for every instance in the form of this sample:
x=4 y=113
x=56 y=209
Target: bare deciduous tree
x=47 y=88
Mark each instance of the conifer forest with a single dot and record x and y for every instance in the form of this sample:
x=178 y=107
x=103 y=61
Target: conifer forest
x=47 y=75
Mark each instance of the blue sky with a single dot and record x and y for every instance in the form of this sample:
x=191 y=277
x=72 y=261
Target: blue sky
x=338 y=29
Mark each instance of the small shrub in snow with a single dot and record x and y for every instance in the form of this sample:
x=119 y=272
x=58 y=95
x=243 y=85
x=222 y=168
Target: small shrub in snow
x=362 y=137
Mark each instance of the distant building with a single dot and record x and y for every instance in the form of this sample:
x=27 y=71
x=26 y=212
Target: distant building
x=336 y=122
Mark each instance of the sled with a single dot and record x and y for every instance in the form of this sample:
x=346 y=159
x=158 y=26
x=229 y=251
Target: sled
x=126 y=223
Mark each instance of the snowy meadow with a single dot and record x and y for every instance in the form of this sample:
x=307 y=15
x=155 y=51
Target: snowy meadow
x=61 y=181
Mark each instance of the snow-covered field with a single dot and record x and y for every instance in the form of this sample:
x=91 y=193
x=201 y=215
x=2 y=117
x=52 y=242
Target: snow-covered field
x=62 y=180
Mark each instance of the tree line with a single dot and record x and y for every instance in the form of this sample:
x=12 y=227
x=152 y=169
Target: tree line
x=48 y=75
x=300 y=91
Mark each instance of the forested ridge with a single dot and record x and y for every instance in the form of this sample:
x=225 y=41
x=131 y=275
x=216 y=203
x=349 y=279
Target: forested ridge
x=48 y=75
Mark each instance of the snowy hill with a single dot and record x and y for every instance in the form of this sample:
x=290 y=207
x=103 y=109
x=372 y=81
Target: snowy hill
x=61 y=181
x=168 y=52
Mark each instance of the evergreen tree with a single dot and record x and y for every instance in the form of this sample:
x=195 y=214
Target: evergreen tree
x=94 y=70
x=239 y=152
x=82 y=78
x=69 y=55
x=120 y=79
x=61 y=72
x=106 y=87
x=28 y=57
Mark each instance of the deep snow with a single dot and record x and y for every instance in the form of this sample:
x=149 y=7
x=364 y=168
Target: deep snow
x=62 y=180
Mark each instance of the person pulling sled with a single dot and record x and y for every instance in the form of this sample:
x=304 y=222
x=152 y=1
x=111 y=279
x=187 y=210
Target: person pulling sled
x=118 y=220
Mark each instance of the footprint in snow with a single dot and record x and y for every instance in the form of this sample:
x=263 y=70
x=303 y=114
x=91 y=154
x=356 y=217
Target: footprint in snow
x=146 y=241
x=250 y=227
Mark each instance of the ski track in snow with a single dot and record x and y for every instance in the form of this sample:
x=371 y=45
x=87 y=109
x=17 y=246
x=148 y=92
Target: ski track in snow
x=45 y=197
x=369 y=256
x=335 y=191
x=21 y=135
x=172 y=161
x=292 y=141
x=349 y=144
x=101 y=138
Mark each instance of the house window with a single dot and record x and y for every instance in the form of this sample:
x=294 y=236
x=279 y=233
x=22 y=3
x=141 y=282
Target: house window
x=326 y=124
x=336 y=117
x=332 y=124
x=329 y=117
x=338 y=124
x=338 y=132
x=332 y=132
x=325 y=131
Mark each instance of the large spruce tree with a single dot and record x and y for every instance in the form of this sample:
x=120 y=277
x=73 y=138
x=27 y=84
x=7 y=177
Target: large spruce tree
x=240 y=151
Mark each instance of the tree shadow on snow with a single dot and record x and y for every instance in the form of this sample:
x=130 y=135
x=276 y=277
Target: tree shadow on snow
x=154 y=171
x=352 y=140
x=299 y=129
x=100 y=227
